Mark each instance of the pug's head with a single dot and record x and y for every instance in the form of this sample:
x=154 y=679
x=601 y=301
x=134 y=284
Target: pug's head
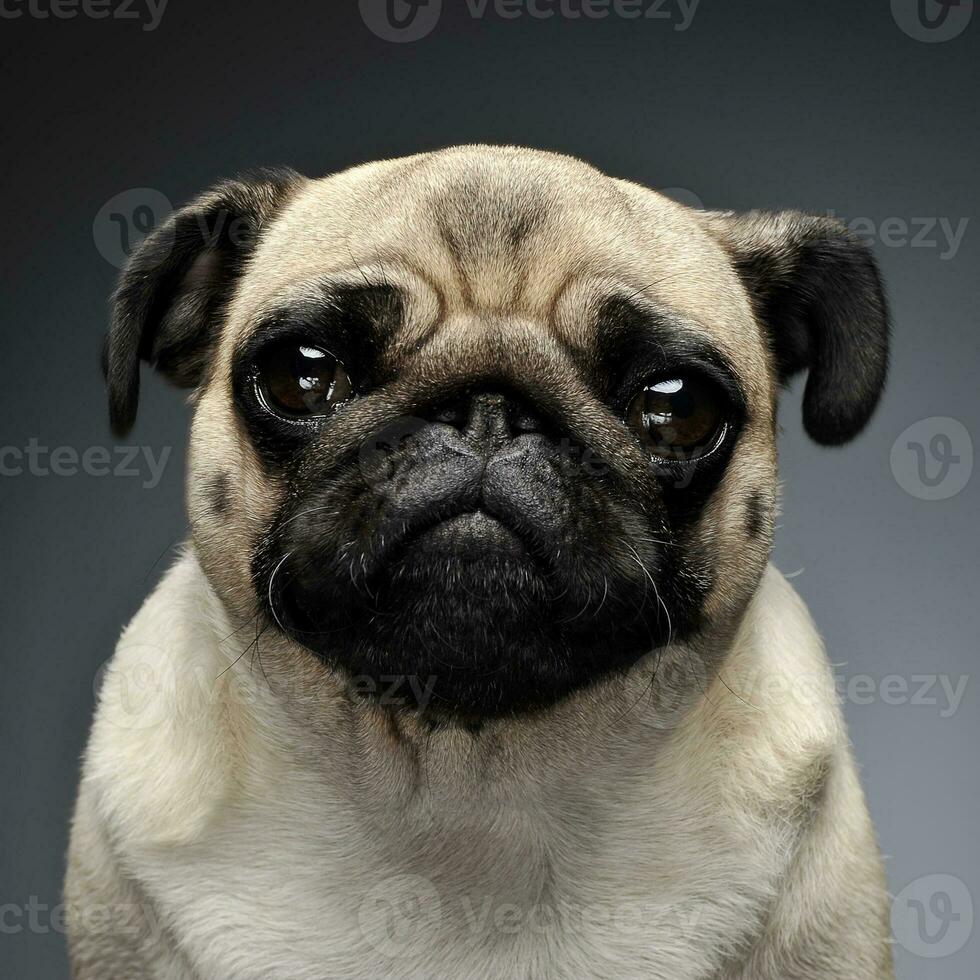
x=487 y=416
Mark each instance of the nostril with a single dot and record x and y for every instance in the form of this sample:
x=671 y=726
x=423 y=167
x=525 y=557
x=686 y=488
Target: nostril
x=455 y=412
x=489 y=417
x=524 y=420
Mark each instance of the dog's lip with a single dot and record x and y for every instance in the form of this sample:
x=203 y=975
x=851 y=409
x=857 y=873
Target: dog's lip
x=465 y=533
x=477 y=528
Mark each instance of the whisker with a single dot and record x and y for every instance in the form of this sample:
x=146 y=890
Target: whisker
x=272 y=604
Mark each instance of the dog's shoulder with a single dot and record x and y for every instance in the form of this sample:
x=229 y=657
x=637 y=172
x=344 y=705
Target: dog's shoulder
x=776 y=708
x=769 y=727
x=157 y=765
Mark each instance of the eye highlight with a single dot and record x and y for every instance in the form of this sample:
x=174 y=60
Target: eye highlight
x=301 y=381
x=679 y=418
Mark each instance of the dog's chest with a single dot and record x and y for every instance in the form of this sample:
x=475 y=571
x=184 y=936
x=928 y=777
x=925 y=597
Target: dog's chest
x=307 y=887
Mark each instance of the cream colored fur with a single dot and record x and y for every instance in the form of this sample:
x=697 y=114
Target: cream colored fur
x=727 y=840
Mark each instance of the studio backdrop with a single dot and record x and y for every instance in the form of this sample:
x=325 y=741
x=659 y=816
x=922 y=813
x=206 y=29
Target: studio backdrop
x=115 y=113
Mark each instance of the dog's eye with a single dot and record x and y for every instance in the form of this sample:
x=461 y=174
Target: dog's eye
x=678 y=418
x=301 y=381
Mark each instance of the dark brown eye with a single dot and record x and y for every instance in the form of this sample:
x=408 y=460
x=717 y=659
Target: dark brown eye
x=301 y=381
x=679 y=418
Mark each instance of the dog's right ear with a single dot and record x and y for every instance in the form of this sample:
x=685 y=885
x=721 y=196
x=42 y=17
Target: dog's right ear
x=171 y=295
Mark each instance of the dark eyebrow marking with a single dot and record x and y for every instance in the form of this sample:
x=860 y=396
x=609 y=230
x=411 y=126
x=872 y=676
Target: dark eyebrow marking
x=635 y=339
x=621 y=320
x=755 y=514
x=351 y=317
x=218 y=491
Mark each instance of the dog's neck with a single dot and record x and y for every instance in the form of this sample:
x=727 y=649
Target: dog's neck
x=502 y=813
x=395 y=768
x=543 y=811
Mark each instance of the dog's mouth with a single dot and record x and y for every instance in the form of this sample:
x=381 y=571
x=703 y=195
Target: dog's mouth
x=434 y=552
x=500 y=611
x=471 y=536
x=460 y=532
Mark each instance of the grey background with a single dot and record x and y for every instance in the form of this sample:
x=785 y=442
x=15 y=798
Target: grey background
x=825 y=106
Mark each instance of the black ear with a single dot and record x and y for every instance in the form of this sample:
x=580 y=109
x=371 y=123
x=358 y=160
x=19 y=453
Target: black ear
x=818 y=295
x=172 y=292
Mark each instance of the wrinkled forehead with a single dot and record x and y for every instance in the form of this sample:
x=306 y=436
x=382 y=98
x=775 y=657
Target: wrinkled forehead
x=467 y=240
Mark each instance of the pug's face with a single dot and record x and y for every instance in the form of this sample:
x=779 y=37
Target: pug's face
x=487 y=418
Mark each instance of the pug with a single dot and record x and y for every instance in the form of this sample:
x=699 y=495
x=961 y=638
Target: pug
x=474 y=665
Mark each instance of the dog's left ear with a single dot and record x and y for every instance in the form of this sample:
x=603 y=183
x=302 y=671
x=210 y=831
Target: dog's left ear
x=172 y=293
x=818 y=295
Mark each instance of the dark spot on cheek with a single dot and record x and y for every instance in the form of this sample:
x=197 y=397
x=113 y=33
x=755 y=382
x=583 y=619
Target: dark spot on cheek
x=218 y=492
x=756 y=515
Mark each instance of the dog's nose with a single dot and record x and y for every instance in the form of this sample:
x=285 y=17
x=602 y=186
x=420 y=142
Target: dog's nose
x=489 y=419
